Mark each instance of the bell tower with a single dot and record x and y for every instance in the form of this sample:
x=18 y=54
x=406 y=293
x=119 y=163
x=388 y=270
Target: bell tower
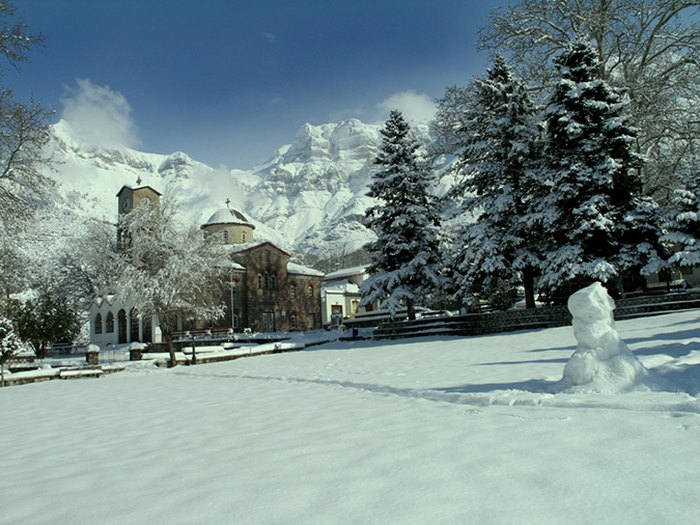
x=129 y=198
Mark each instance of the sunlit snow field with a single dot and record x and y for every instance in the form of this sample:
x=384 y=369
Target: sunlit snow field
x=415 y=431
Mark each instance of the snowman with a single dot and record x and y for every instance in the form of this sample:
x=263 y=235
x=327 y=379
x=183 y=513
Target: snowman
x=602 y=361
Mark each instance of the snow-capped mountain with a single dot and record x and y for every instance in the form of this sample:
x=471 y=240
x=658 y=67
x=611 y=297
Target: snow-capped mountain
x=309 y=197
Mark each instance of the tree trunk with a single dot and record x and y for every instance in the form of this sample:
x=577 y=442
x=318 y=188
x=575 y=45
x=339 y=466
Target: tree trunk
x=171 y=349
x=167 y=332
x=411 y=307
x=529 y=285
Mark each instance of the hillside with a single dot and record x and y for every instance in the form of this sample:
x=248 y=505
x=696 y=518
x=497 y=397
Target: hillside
x=309 y=196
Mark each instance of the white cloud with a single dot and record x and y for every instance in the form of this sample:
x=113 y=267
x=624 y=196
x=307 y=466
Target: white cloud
x=414 y=106
x=269 y=37
x=98 y=115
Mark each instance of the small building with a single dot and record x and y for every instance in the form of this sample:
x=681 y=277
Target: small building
x=680 y=278
x=341 y=295
x=112 y=322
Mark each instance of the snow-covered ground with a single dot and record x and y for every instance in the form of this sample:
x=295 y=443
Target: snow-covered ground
x=417 y=431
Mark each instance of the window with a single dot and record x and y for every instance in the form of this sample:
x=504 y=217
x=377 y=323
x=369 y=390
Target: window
x=292 y=291
x=260 y=281
x=311 y=321
x=236 y=322
x=110 y=323
x=311 y=290
x=244 y=237
x=293 y=322
x=267 y=281
x=98 y=323
x=274 y=282
x=226 y=236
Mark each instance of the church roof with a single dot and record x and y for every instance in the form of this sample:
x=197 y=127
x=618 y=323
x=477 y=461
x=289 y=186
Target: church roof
x=298 y=269
x=341 y=286
x=346 y=272
x=228 y=216
x=250 y=246
x=127 y=187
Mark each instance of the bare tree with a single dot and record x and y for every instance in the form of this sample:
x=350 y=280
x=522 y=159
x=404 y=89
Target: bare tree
x=648 y=47
x=16 y=41
x=169 y=271
x=86 y=266
x=23 y=130
x=23 y=137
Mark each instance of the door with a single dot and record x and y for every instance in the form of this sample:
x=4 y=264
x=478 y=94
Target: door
x=121 y=326
x=268 y=322
x=134 y=325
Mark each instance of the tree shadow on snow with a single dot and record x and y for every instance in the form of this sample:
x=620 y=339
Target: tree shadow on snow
x=681 y=378
x=562 y=360
x=676 y=350
x=534 y=386
x=570 y=348
x=668 y=336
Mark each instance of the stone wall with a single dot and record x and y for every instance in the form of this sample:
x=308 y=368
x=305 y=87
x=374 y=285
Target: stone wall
x=522 y=319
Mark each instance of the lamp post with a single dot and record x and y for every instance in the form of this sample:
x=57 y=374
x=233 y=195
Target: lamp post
x=233 y=297
x=194 y=354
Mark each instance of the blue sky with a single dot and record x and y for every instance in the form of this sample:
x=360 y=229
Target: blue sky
x=228 y=82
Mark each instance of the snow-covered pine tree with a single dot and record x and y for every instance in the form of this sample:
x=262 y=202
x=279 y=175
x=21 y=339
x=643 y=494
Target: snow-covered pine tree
x=405 y=257
x=683 y=229
x=596 y=225
x=492 y=129
x=10 y=344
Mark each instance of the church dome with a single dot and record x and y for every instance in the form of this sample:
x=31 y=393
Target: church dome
x=228 y=216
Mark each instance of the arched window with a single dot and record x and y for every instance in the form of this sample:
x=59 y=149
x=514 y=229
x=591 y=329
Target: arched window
x=260 y=281
x=292 y=291
x=311 y=290
x=244 y=237
x=110 y=323
x=98 y=323
x=226 y=236
x=293 y=322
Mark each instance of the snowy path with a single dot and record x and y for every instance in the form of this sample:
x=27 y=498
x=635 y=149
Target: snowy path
x=429 y=431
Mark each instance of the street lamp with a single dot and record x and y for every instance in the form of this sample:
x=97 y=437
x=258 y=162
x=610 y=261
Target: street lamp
x=194 y=354
x=232 y=284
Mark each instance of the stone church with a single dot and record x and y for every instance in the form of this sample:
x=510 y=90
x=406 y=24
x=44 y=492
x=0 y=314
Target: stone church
x=264 y=290
x=268 y=292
